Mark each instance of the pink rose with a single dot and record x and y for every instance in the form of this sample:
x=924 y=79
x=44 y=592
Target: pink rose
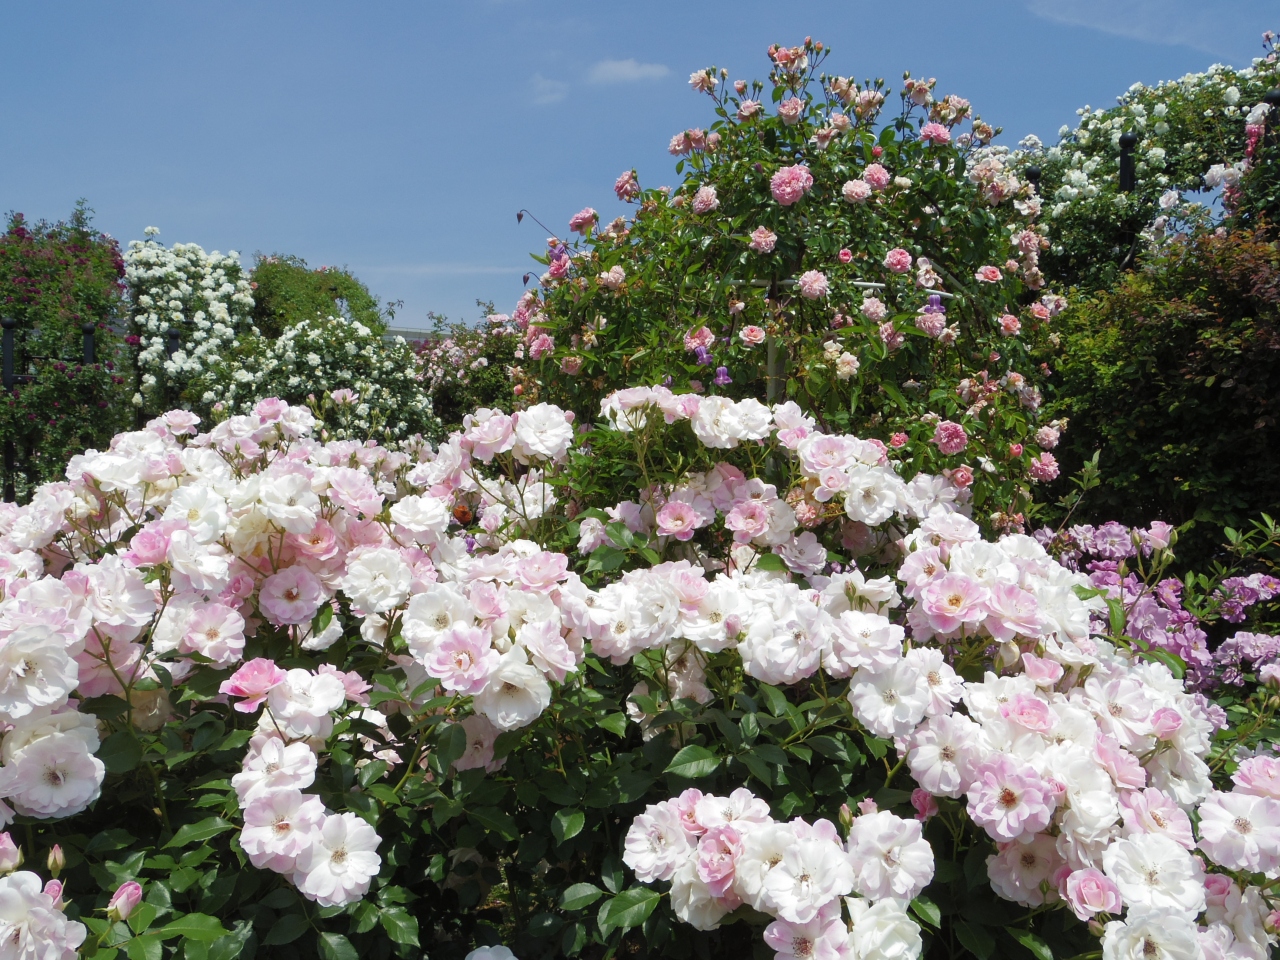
x=935 y=133
x=127 y=896
x=571 y=365
x=702 y=337
x=751 y=335
x=748 y=109
x=677 y=519
x=845 y=255
x=856 y=191
x=1029 y=711
x=1043 y=468
x=1166 y=722
x=1009 y=800
x=717 y=856
x=253 y=681
x=924 y=802
x=898 y=440
x=962 y=477
x=1043 y=671
x=790 y=184
x=1010 y=325
x=462 y=660
x=988 y=274
x=897 y=260
x=748 y=519
x=583 y=220
x=876 y=175
x=705 y=200
x=874 y=309
x=291 y=596
x=763 y=240
x=949 y=438
x=626 y=186
x=813 y=285
x=791 y=111
x=1089 y=892
x=1015 y=450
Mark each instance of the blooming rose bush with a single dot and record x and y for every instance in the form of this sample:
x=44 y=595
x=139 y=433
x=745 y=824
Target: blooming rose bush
x=879 y=267
x=269 y=692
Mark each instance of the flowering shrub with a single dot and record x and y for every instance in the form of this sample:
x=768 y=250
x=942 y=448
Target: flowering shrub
x=203 y=296
x=468 y=366
x=882 y=271
x=360 y=385
x=1192 y=134
x=286 y=290
x=332 y=699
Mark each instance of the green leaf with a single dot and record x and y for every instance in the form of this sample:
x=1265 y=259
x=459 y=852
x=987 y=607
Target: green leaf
x=120 y=752
x=145 y=948
x=286 y=930
x=451 y=744
x=144 y=914
x=693 y=762
x=198 y=832
x=580 y=895
x=1032 y=943
x=978 y=941
x=615 y=723
x=628 y=909
x=194 y=926
x=567 y=824
x=496 y=821
x=334 y=946
x=769 y=561
x=400 y=926
x=928 y=911
x=776 y=698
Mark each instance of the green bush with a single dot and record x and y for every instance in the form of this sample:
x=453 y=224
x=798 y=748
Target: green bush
x=286 y=290
x=1173 y=376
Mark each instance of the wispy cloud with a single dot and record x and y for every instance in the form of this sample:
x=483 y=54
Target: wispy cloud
x=440 y=269
x=546 y=90
x=630 y=70
x=1215 y=28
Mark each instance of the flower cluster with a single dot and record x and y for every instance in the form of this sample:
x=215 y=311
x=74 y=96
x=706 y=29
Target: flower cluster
x=722 y=852
x=202 y=296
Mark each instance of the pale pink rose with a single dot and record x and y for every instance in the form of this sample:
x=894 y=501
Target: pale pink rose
x=1045 y=672
x=897 y=260
x=10 y=855
x=1010 y=325
x=215 y=631
x=1259 y=776
x=1123 y=766
x=542 y=344
x=571 y=366
x=751 y=335
x=748 y=519
x=717 y=855
x=950 y=438
x=583 y=220
x=1011 y=266
x=845 y=256
x=677 y=519
x=1166 y=722
x=790 y=184
x=487 y=437
x=748 y=108
x=702 y=337
x=988 y=274
x=1040 y=311
x=1089 y=892
x=874 y=309
x=791 y=111
x=877 y=176
x=354 y=490
x=739 y=87
x=1009 y=800
x=1030 y=712
x=813 y=285
x=1047 y=437
x=685 y=807
x=925 y=803
x=626 y=187
x=961 y=476
x=127 y=896
x=856 y=191
x=1043 y=468
x=953 y=600
x=253 y=681
x=891 y=336
x=935 y=133
x=763 y=240
x=1151 y=811
x=542 y=571
x=705 y=200
x=291 y=596
x=613 y=278
x=343 y=396
x=356 y=687
x=463 y=659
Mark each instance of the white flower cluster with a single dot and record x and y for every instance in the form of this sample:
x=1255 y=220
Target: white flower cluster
x=201 y=295
x=379 y=383
x=721 y=852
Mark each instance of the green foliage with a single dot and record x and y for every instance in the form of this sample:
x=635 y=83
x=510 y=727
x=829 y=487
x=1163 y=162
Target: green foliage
x=1172 y=375
x=286 y=290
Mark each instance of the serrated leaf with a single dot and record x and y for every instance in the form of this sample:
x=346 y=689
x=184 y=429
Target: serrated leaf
x=693 y=762
x=928 y=911
x=194 y=926
x=567 y=824
x=198 y=832
x=628 y=909
x=1033 y=943
x=580 y=895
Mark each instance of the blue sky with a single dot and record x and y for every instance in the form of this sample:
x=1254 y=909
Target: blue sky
x=399 y=139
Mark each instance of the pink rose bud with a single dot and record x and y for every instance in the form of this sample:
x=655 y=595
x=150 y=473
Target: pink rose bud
x=10 y=855
x=1015 y=449
x=124 y=900
x=898 y=440
x=57 y=860
x=867 y=806
x=53 y=889
x=877 y=151
x=846 y=819
x=924 y=802
x=846 y=256
x=1272 y=923
x=1165 y=722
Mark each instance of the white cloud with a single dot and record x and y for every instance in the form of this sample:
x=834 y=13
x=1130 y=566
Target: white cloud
x=546 y=90
x=1224 y=28
x=630 y=70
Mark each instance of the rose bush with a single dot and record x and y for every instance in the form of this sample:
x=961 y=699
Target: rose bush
x=882 y=270
x=268 y=692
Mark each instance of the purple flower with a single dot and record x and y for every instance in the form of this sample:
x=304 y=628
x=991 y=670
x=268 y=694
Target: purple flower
x=722 y=378
x=702 y=356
